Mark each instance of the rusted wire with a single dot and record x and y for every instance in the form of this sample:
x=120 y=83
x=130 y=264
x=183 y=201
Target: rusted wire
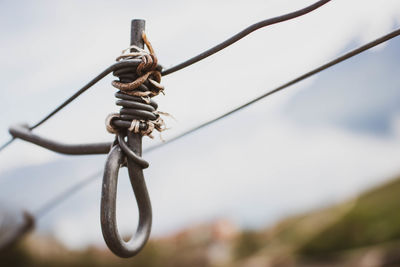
x=147 y=71
x=138 y=113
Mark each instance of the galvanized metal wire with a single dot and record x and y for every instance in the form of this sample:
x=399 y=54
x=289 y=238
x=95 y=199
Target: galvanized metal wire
x=285 y=85
x=243 y=34
x=182 y=65
x=128 y=63
x=75 y=188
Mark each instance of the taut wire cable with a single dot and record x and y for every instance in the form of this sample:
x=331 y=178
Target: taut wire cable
x=182 y=65
x=283 y=86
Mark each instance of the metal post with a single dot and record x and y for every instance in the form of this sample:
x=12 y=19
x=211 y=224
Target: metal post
x=114 y=161
x=135 y=170
x=135 y=139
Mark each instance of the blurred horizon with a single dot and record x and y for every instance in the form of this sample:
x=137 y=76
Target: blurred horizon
x=347 y=234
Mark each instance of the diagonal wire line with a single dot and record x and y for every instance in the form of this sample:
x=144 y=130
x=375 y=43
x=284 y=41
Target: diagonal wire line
x=6 y=144
x=64 y=104
x=242 y=34
x=50 y=205
x=182 y=65
x=19 y=229
x=68 y=101
x=58 y=199
x=284 y=86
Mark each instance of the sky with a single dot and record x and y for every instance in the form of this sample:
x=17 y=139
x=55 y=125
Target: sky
x=317 y=143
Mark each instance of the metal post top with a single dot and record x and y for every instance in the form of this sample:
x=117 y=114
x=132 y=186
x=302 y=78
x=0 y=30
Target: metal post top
x=138 y=23
x=137 y=20
x=137 y=28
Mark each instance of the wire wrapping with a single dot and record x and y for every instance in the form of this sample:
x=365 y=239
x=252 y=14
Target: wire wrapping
x=72 y=190
x=136 y=84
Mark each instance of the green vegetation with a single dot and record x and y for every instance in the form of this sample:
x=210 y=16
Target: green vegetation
x=374 y=219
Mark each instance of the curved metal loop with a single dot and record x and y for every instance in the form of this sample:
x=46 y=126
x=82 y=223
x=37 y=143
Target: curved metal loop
x=109 y=227
x=24 y=133
x=129 y=153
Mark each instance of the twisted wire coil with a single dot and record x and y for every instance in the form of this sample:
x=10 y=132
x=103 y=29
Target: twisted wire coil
x=136 y=84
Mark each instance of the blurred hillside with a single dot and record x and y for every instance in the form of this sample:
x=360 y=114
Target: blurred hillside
x=362 y=232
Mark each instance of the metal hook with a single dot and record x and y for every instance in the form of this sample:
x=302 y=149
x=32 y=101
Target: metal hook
x=126 y=153
x=109 y=227
x=123 y=153
x=23 y=132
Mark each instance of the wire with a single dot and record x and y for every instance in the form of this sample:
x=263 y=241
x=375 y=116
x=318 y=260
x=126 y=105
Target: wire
x=184 y=64
x=298 y=79
x=65 y=103
x=242 y=34
x=344 y=57
x=48 y=206
x=96 y=79
x=19 y=229
x=6 y=144
x=285 y=85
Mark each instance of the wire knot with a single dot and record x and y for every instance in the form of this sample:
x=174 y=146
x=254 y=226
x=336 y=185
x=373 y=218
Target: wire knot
x=148 y=79
x=137 y=86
